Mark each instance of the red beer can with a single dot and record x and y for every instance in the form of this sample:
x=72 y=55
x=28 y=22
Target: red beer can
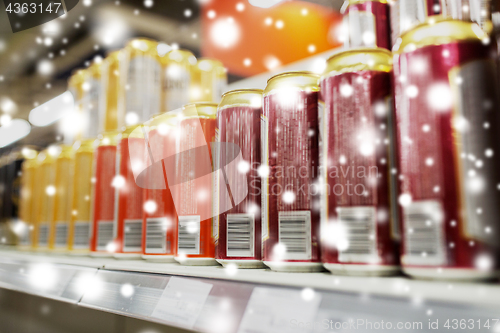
x=103 y=196
x=360 y=230
x=289 y=171
x=192 y=185
x=159 y=217
x=367 y=23
x=406 y=14
x=129 y=197
x=447 y=122
x=238 y=216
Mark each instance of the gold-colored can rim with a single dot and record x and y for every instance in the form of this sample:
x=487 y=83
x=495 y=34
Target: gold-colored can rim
x=238 y=91
x=246 y=97
x=134 y=46
x=438 y=30
x=304 y=80
x=360 y=59
x=200 y=110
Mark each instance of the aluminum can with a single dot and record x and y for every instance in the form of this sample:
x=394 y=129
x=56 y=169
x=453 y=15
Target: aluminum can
x=192 y=188
x=103 y=196
x=360 y=225
x=289 y=171
x=447 y=137
x=159 y=215
x=209 y=81
x=367 y=23
x=238 y=239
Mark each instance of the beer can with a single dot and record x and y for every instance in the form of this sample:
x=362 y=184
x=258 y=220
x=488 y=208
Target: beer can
x=192 y=187
x=80 y=217
x=47 y=197
x=103 y=196
x=177 y=66
x=142 y=79
x=159 y=231
x=210 y=81
x=238 y=216
x=27 y=197
x=64 y=168
x=360 y=225
x=447 y=136
x=129 y=197
x=367 y=23
x=406 y=14
x=290 y=161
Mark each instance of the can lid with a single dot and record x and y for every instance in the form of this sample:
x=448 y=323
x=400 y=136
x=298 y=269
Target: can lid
x=250 y=97
x=67 y=151
x=131 y=131
x=360 y=59
x=200 y=110
x=144 y=46
x=109 y=138
x=438 y=30
x=170 y=118
x=179 y=56
x=86 y=145
x=295 y=79
x=95 y=70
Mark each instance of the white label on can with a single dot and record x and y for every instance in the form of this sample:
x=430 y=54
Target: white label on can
x=273 y=310
x=264 y=128
x=132 y=235
x=294 y=231
x=156 y=235
x=361 y=27
x=182 y=301
x=240 y=235
x=405 y=14
x=92 y=108
x=177 y=80
x=143 y=88
x=358 y=235
x=81 y=235
x=424 y=239
x=189 y=234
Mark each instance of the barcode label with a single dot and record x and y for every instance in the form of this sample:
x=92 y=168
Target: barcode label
x=189 y=235
x=43 y=235
x=156 y=235
x=61 y=235
x=81 y=235
x=295 y=234
x=104 y=234
x=132 y=236
x=424 y=234
x=240 y=235
x=359 y=226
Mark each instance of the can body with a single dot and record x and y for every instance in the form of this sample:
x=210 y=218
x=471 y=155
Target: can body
x=368 y=24
x=405 y=14
x=103 y=198
x=129 y=197
x=290 y=199
x=64 y=166
x=193 y=192
x=447 y=141
x=209 y=81
x=238 y=240
x=159 y=234
x=360 y=229
x=80 y=220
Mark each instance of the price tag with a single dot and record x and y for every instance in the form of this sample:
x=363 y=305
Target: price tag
x=182 y=301
x=277 y=310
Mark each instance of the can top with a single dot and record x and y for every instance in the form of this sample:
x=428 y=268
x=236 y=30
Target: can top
x=179 y=56
x=49 y=154
x=131 y=131
x=30 y=163
x=76 y=81
x=67 y=151
x=142 y=46
x=95 y=70
x=359 y=59
x=200 y=110
x=209 y=64
x=437 y=31
x=169 y=119
x=84 y=146
x=29 y=153
x=247 y=97
x=297 y=79
x=109 y=138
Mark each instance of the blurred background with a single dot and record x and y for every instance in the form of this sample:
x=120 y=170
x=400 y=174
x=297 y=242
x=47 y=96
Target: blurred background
x=249 y=36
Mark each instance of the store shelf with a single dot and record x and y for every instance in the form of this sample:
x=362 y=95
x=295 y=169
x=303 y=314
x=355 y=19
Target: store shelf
x=214 y=299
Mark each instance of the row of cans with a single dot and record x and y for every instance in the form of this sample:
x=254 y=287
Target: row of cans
x=381 y=23
x=388 y=160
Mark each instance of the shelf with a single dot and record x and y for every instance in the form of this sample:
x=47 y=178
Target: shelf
x=214 y=299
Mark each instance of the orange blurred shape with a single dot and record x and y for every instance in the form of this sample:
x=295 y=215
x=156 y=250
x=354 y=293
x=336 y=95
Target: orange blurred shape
x=250 y=40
